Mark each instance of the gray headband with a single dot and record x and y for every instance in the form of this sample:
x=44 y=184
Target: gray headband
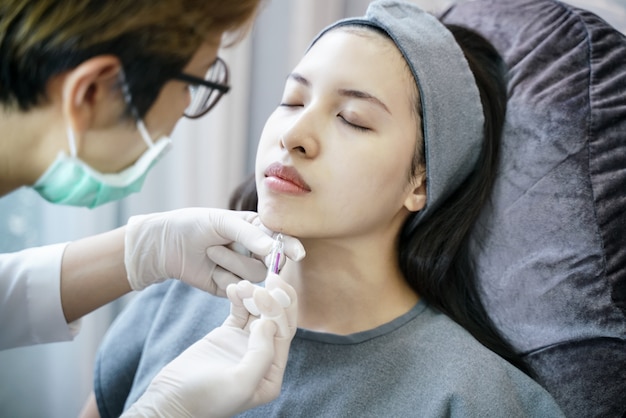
x=451 y=106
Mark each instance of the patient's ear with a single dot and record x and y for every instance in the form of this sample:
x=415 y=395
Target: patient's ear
x=416 y=199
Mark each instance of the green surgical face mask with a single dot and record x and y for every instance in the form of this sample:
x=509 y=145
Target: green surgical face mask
x=70 y=181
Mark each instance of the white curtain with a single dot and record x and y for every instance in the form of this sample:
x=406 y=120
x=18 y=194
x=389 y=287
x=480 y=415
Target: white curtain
x=210 y=156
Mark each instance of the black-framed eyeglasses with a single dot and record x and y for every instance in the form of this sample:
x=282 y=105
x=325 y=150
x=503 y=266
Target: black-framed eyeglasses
x=206 y=92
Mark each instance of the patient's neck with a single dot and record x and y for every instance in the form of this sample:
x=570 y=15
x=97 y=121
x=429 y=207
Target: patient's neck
x=348 y=286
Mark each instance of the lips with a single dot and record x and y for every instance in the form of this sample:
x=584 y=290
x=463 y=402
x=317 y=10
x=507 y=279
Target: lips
x=287 y=174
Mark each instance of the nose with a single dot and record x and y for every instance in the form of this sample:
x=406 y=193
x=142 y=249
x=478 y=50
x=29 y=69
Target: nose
x=301 y=138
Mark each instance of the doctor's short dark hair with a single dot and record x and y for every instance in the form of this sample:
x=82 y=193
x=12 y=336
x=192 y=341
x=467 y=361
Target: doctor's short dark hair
x=154 y=40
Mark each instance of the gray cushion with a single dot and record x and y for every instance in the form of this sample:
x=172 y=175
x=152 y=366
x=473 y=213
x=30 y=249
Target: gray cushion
x=551 y=245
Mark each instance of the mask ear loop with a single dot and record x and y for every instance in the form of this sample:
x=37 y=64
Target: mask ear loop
x=71 y=139
x=144 y=133
x=141 y=126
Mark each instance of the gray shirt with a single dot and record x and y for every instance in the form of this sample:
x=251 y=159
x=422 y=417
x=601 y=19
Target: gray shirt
x=420 y=364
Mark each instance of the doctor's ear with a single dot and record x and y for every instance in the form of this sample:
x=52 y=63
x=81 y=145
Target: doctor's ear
x=89 y=95
x=416 y=199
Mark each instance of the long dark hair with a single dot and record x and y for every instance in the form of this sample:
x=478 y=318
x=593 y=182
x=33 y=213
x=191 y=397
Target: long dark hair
x=434 y=256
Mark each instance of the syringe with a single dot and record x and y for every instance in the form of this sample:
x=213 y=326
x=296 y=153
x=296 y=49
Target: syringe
x=276 y=256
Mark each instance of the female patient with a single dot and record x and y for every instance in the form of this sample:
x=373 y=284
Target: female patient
x=378 y=159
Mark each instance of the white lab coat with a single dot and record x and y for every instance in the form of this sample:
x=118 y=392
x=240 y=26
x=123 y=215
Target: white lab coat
x=30 y=298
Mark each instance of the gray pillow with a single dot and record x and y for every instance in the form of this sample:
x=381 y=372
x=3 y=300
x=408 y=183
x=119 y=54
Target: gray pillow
x=551 y=245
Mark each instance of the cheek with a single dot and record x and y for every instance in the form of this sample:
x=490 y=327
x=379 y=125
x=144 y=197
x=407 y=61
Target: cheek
x=268 y=151
x=263 y=157
x=167 y=109
x=371 y=193
x=264 y=147
x=268 y=148
x=112 y=150
x=278 y=214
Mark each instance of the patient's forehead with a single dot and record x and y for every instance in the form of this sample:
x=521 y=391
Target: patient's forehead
x=358 y=55
x=361 y=40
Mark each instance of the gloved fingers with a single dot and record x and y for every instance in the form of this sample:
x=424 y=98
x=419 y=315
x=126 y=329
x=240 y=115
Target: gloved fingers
x=274 y=282
x=238 y=264
x=272 y=306
x=251 y=235
x=239 y=315
x=293 y=248
x=261 y=367
x=220 y=280
x=256 y=221
x=236 y=227
x=277 y=302
x=252 y=218
x=259 y=356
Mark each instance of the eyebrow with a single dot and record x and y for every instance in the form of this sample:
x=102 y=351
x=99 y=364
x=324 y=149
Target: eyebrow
x=358 y=94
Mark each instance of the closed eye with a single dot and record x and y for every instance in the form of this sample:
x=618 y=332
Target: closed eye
x=353 y=125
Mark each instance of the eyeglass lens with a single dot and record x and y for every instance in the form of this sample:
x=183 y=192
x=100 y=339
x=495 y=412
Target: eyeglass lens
x=203 y=98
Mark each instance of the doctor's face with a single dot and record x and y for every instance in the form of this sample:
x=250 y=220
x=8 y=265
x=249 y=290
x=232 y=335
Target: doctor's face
x=334 y=157
x=121 y=145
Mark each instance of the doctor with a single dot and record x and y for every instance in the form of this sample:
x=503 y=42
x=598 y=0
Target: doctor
x=89 y=92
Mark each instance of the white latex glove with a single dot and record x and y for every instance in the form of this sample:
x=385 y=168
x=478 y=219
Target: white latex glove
x=195 y=245
x=235 y=367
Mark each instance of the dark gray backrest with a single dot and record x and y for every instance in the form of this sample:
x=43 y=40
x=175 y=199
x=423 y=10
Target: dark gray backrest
x=551 y=246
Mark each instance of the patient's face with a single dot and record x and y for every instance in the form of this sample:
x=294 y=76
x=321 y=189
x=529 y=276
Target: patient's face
x=334 y=157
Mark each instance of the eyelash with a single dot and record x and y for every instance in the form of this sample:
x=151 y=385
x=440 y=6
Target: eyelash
x=344 y=120
x=353 y=126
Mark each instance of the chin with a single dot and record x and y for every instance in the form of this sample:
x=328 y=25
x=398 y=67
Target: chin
x=280 y=216
x=272 y=221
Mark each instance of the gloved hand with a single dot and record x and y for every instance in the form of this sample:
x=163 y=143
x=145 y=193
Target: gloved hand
x=235 y=367
x=195 y=245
